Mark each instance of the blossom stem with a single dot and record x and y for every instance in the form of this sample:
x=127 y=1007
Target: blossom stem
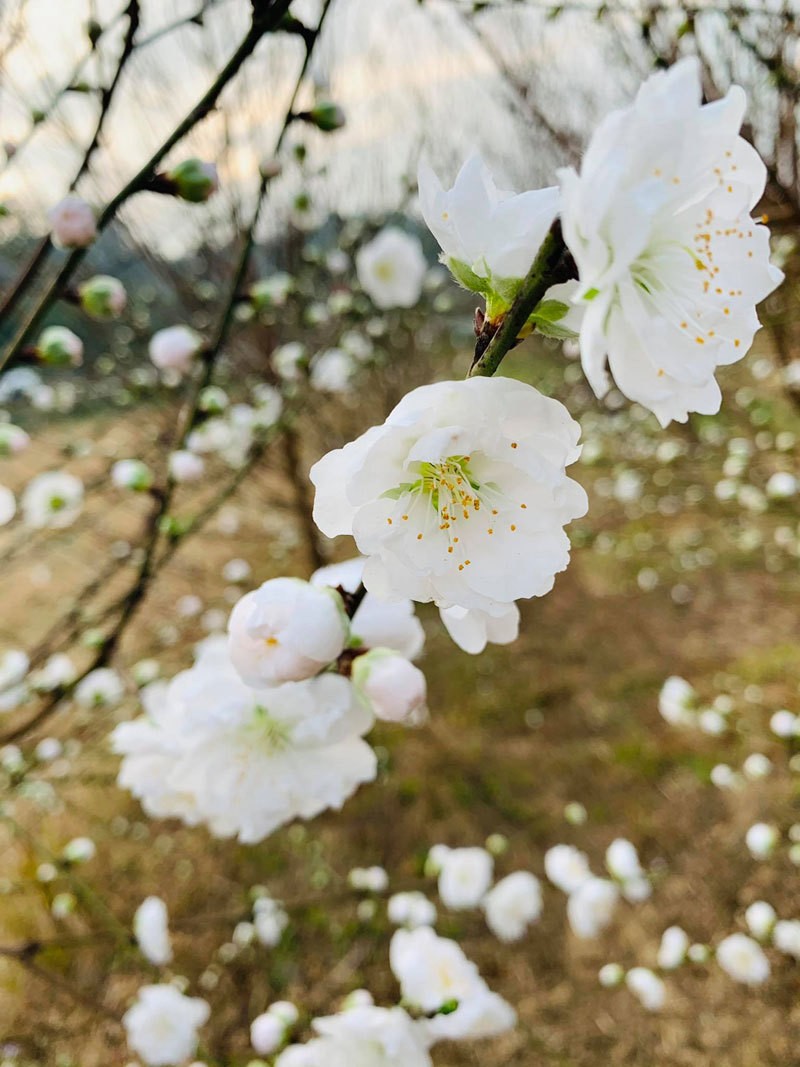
x=553 y=264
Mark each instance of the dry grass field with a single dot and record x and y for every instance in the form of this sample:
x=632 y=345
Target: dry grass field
x=665 y=579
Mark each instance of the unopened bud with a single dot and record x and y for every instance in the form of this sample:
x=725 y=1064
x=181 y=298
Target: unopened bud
x=59 y=347
x=103 y=297
x=72 y=223
x=394 y=688
x=131 y=474
x=270 y=168
x=194 y=180
x=326 y=116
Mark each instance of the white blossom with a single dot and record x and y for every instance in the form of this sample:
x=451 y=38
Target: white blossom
x=391 y=268
x=72 y=223
x=489 y=237
x=244 y=761
x=512 y=905
x=786 y=937
x=673 y=948
x=411 y=909
x=460 y=497
x=473 y=629
x=100 y=688
x=79 y=850
x=676 y=701
x=267 y=1033
x=269 y=920
x=760 y=918
x=53 y=499
x=671 y=264
x=186 y=466
x=591 y=907
x=566 y=867
x=131 y=474
x=151 y=930
x=761 y=840
x=285 y=631
x=162 y=1025
x=464 y=877
x=8 y=505
x=743 y=959
x=362 y=1037
x=432 y=970
x=332 y=371
x=287 y=360
x=174 y=348
x=647 y=987
x=781 y=485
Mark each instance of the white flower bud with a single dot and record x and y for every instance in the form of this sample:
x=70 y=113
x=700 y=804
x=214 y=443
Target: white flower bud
x=267 y=1033
x=761 y=840
x=591 y=907
x=760 y=918
x=285 y=1011
x=566 y=867
x=647 y=987
x=757 y=766
x=79 y=850
x=781 y=485
x=786 y=937
x=185 y=466
x=174 y=348
x=285 y=631
x=673 y=948
x=784 y=724
x=611 y=975
x=465 y=876
x=512 y=904
x=72 y=223
x=131 y=474
x=622 y=860
x=394 y=688
x=412 y=909
x=743 y=959
x=59 y=347
x=150 y=928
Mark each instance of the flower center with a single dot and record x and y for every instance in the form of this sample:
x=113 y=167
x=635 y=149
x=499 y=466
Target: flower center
x=384 y=270
x=270 y=733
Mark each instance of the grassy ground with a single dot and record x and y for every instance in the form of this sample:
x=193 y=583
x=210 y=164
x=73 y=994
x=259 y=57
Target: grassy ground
x=673 y=581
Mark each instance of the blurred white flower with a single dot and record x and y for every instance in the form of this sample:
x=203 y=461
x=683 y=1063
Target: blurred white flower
x=100 y=688
x=394 y=689
x=72 y=223
x=647 y=987
x=464 y=877
x=8 y=505
x=272 y=291
x=57 y=670
x=267 y=1033
x=391 y=268
x=151 y=930
x=781 y=485
x=376 y=623
x=162 y=1025
x=489 y=237
x=241 y=760
x=671 y=264
x=784 y=724
x=566 y=867
x=53 y=499
x=411 y=909
x=131 y=474
x=432 y=971
x=591 y=907
x=186 y=466
x=361 y=1037
x=270 y=920
x=473 y=629
x=285 y=631
x=13 y=439
x=332 y=371
x=761 y=840
x=512 y=905
x=743 y=959
x=287 y=360
x=760 y=918
x=174 y=348
x=369 y=879
x=673 y=948
x=786 y=937
x=676 y=701
x=79 y=850
x=460 y=497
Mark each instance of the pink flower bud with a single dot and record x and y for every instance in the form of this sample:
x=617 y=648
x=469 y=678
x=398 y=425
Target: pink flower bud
x=72 y=223
x=174 y=348
x=395 y=689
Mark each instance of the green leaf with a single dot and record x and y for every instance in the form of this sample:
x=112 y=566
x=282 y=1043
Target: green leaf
x=466 y=277
x=550 y=311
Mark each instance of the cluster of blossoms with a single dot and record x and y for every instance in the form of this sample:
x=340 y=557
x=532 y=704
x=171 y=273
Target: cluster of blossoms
x=591 y=900
x=268 y=724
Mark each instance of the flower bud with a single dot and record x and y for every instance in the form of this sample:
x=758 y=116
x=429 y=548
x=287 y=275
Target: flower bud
x=59 y=347
x=79 y=850
x=103 y=297
x=174 y=348
x=326 y=116
x=72 y=223
x=611 y=975
x=213 y=400
x=285 y=631
x=267 y=1033
x=185 y=466
x=13 y=439
x=131 y=474
x=271 y=292
x=395 y=689
x=270 y=168
x=194 y=180
x=761 y=840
